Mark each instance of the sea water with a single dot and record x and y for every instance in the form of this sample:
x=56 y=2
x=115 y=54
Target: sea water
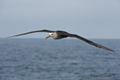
x=65 y=59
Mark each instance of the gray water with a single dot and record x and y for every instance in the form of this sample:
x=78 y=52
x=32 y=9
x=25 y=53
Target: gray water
x=66 y=59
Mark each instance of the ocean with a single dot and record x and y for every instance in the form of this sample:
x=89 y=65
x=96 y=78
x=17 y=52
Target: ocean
x=65 y=59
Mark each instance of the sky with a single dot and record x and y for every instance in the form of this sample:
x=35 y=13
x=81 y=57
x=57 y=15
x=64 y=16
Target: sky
x=88 y=18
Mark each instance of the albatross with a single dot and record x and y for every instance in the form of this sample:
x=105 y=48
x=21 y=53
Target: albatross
x=63 y=34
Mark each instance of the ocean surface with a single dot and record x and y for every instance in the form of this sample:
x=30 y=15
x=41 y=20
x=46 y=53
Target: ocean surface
x=65 y=59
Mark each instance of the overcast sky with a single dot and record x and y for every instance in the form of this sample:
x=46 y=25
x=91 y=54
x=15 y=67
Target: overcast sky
x=87 y=18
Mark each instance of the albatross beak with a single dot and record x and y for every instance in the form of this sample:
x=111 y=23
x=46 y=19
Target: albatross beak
x=48 y=36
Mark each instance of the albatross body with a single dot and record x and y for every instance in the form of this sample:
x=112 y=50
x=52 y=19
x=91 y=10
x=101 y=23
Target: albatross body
x=63 y=34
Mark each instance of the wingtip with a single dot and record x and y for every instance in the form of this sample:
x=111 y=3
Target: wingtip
x=10 y=37
x=112 y=50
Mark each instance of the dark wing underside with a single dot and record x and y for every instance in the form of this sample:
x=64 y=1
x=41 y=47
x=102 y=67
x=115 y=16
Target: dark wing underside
x=90 y=42
x=31 y=32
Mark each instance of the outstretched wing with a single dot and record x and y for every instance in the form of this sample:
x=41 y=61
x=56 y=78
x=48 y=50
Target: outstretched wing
x=31 y=32
x=90 y=42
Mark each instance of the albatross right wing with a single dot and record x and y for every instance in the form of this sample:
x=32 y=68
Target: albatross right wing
x=31 y=32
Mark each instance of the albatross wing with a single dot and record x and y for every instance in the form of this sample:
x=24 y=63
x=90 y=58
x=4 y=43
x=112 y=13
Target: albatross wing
x=90 y=42
x=31 y=32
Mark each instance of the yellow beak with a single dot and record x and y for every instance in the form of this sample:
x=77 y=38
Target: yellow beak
x=48 y=36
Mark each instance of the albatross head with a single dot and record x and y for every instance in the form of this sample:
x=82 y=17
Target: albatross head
x=50 y=35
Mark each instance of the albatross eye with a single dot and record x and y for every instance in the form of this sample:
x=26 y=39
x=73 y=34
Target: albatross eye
x=51 y=34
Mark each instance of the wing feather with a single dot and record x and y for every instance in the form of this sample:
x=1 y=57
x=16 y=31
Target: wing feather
x=90 y=42
x=31 y=32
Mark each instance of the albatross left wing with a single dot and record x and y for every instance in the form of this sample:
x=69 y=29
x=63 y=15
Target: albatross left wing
x=90 y=42
x=31 y=32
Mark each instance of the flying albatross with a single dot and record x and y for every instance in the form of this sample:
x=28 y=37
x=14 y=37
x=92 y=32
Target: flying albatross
x=63 y=34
